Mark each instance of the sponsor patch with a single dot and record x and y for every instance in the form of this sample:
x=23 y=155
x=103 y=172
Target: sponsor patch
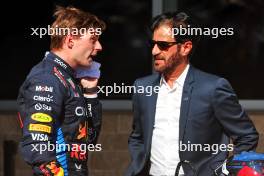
x=60 y=63
x=39 y=127
x=44 y=89
x=39 y=137
x=76 y=94
x=78 y=167
x=44 y=107
x=82 y=131
x=49 y=98
x=78 y=153
x=59 y=75
x=71 y=83
x=41 y=117
x=89 y=107
x=80 y=111
x=53 y=168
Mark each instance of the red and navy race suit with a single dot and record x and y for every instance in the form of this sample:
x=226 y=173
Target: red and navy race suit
x=53 y=110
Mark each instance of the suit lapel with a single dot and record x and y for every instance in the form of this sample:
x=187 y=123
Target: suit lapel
x=185 y=102
x=151 y=111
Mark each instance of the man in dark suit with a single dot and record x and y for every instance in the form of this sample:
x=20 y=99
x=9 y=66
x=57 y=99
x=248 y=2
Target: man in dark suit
x=191 y=118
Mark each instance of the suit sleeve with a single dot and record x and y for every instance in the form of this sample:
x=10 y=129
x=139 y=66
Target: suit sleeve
x=135 y=140
x=40 y=103
x=233 y=118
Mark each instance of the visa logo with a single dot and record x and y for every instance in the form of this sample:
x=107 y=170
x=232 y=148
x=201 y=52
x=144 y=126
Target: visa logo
x=39 y=137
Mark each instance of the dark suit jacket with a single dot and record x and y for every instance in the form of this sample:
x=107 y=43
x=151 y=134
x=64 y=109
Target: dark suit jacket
x=210 y=114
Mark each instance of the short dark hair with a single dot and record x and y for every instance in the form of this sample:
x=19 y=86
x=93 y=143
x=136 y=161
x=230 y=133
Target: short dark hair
x=175 y=20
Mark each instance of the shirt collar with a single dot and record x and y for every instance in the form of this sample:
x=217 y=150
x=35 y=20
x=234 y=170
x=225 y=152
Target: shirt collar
x=181 y=79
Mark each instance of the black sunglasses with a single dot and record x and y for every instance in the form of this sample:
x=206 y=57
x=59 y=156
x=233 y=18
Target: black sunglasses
x=162 y=45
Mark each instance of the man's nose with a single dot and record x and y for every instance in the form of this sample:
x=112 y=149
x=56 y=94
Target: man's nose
x=155 y=50
x=98 y=46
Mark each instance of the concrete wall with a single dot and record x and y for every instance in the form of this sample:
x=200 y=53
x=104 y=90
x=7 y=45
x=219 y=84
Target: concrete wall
x=111 y=161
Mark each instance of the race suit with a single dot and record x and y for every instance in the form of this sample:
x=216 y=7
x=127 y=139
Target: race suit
x=59 y=124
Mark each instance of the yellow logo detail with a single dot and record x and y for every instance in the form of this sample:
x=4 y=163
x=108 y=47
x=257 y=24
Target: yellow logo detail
x=39 y=127
x=41 y=117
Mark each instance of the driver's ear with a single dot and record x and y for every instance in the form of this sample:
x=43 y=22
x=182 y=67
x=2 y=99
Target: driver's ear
x=186 y=48
x=69 y=41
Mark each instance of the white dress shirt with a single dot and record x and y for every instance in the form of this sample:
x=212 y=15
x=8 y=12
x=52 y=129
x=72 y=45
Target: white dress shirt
x=165 y=140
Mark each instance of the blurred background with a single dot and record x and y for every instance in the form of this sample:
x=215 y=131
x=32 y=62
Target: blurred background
x=125 y=57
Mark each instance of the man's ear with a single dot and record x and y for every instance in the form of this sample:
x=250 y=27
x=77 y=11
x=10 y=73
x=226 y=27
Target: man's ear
x=186 y=48
x=69 y=41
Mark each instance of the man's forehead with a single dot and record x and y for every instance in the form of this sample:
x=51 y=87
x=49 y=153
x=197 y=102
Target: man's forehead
x=163 y=31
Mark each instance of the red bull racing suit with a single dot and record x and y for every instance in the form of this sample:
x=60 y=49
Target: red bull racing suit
x=59 y=124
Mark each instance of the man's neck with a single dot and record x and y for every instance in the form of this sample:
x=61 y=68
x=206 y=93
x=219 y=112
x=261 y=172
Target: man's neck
x=64 y=56
x=171 y=77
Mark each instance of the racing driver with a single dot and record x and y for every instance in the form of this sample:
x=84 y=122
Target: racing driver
x=56 y=108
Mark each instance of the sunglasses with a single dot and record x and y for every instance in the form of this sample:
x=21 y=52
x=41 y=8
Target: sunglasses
x=162 y=45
